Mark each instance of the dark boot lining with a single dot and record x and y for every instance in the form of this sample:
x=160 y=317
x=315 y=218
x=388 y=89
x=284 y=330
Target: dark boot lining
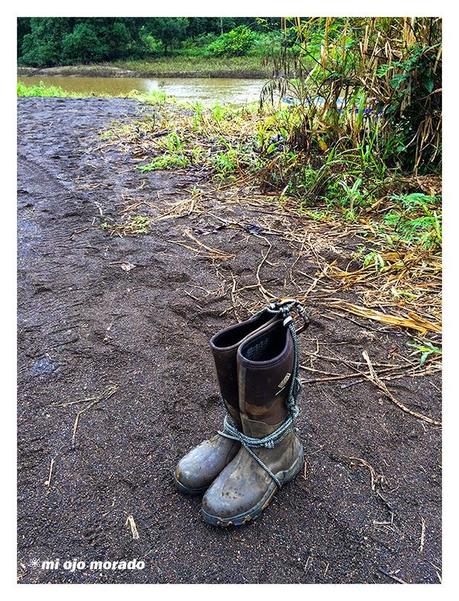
x=239 y=332
x=267 y=346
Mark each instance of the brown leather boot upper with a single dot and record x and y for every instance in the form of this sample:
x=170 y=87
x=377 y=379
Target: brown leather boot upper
x=224 y=346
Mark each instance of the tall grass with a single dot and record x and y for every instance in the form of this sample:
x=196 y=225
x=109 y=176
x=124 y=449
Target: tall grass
x=362 y=91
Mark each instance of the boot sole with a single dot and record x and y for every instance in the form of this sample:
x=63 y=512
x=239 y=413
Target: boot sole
x=189 y=491
x=254 y=512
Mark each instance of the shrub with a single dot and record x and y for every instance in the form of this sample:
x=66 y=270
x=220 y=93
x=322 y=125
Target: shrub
x=151 y=45
x=83 y=44
x=236 y=42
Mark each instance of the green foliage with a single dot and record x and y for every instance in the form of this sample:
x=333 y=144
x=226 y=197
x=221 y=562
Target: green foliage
x=169 y=30
x=424 y=230
x=353 y=195
x=415 y=219
x=156 y=97
x=82 y=45
x=425 y=349
x=166 y=161
x=42 y=90
x=225 y=163
x=135 y=225
x=50 y=41
x=41 y=46
x=380 y=101
x=173 y=143
x=375 y=259
x=152 y=46
x=236 y=42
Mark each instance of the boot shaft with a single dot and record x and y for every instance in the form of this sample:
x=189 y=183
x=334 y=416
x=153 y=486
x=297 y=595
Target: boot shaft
x=224 y=346
x=265 y=367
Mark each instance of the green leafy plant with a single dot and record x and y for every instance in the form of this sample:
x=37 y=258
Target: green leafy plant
x=135 y=225
x=225 y=163
x=375 y=259
x=415 y=219
x=236 y=42
x=42 y=90
x=165 y=161
x=352 y=194
x=425 y=349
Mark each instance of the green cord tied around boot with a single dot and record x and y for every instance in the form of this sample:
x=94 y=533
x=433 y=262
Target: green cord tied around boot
x=271 y=440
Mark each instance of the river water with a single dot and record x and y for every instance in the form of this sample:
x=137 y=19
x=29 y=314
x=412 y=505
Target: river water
x=199 y=89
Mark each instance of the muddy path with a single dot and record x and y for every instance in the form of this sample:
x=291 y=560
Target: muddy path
x=130 y=317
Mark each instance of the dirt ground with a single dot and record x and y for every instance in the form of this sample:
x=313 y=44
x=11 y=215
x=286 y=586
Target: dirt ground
x=135 y=314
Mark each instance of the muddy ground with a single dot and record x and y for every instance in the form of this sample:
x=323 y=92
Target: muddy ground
x=88 y=320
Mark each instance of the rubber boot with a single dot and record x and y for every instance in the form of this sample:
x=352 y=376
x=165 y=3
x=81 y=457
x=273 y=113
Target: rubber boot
x=198 y=468
x=244 y=488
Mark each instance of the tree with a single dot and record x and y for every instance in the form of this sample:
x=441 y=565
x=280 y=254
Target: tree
x=169 y=30
x=83 y=45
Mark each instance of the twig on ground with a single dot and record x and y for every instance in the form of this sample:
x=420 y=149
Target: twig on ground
x=376 y=479
x=50 y=473
x=212 y=253
x=423 y=535
x=373 y=377
x=108 y=392
x=132 y=525
x=389 y=575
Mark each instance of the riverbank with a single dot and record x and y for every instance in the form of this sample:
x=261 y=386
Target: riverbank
x=247 y=67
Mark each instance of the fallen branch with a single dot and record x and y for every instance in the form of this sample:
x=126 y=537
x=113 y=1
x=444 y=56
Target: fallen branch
x=373 y=377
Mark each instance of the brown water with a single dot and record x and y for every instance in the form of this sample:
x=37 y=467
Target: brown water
x=199 y=89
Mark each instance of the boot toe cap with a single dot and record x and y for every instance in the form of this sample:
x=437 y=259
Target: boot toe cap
x=198 y=468
x=233 y=500
x=189 y=477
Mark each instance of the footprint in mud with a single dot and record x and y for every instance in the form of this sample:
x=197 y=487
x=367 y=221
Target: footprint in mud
x=179 y=277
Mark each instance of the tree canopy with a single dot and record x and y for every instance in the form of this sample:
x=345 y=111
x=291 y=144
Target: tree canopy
x=50 y=41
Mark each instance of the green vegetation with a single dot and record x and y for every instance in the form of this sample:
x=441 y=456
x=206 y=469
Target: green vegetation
x=166 y=161
x=134 y=225
x=236 y=42
x=416 y=219
x=199 y=66
x=425 y=349
x=42 y=90
x=52 y=41
x=153 y=97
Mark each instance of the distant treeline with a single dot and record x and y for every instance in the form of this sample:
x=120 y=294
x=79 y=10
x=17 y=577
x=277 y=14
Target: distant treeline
x=51 y=41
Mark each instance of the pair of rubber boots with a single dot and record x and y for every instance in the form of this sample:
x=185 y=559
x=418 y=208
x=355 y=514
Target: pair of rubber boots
x=254 y=362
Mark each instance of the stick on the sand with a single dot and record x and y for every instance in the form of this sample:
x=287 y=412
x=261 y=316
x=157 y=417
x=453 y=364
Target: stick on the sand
x=423 y=535
x=380 y=384
x=51 y=465
x=131 y=523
